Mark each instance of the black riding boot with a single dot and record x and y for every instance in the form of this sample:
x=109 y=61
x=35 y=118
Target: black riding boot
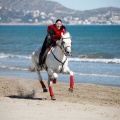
x=44 y=47
x=47 y=43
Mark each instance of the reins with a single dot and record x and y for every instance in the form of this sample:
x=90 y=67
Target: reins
x=57 y=58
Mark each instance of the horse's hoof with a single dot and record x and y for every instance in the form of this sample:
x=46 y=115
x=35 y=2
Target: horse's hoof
x=45 y=90
x=53 y=98
x=70 y=90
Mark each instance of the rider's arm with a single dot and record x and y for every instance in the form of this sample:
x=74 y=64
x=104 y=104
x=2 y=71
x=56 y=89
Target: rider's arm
x=52 y=33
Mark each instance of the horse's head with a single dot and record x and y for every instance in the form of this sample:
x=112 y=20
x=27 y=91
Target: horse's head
x=65 y=43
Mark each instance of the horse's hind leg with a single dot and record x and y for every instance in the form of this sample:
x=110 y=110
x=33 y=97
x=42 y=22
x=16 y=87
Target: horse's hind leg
x=41 y=82
x=38 y=72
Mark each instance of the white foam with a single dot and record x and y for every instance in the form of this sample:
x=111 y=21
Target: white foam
x=2 y=55
x=77 y=73
x=12 y=68
x=115 y=60
x=97 y=75
x=101 y=60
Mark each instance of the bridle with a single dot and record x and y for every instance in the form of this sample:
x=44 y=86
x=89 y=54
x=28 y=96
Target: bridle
x=64 y=49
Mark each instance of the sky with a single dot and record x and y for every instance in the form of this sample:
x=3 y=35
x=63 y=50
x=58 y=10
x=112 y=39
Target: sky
x=88 y=4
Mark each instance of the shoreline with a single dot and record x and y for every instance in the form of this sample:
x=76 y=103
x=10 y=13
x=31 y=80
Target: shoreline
x=108 y=85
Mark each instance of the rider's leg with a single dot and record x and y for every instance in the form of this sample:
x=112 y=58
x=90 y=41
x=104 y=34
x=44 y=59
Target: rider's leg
x=42 y=51
x=47 y=43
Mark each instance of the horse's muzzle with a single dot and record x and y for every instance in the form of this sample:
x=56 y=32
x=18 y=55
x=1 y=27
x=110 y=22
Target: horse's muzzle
x=68 y=53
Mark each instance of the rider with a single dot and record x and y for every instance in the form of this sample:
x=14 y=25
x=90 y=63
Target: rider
x=54 y=32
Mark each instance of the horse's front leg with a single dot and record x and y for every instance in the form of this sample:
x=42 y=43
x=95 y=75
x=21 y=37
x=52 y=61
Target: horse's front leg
x=52 y=77
x=68 y=71
x=50 y=87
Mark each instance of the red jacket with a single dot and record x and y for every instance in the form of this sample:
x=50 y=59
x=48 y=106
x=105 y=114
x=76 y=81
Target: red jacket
x=57 y=32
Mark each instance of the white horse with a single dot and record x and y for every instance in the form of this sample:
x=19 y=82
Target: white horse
x=56 y=62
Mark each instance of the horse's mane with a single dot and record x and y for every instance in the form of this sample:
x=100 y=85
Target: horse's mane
x=66 y=35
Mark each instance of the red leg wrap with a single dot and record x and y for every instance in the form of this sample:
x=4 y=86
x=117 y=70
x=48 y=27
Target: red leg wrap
x=51 y=91
x=71 y=81
x=42 y=83
x=54 y=80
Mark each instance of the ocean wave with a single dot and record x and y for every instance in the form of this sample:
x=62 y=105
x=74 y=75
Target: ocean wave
x=76 y=73
x=76 y=59
x=3 y=55
x=13 y=68
x=115 y=60
x=97 y=75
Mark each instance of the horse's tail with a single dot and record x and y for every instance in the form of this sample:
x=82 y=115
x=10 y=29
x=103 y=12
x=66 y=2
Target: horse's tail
x=31 y=69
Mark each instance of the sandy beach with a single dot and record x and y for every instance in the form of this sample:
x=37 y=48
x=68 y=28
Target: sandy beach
x=23 y=99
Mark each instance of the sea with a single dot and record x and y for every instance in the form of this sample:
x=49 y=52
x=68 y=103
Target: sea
x=95 y=52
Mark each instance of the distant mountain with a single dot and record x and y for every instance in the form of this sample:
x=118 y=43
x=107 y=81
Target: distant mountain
x=45 y=12
x=31 y=5
x=89 y=13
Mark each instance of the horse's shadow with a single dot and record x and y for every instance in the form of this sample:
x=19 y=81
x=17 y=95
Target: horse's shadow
x=24 y=97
